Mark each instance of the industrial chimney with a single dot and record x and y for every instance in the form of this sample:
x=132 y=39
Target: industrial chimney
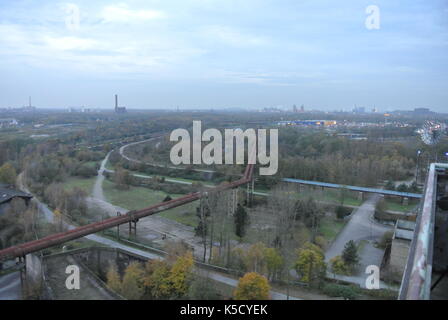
x=116 y=102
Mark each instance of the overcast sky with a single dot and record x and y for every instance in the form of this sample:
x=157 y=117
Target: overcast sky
x=228 y=53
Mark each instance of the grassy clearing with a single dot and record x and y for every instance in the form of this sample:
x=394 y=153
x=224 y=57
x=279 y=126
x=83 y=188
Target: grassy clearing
x=335 y=196
x=133 y=198
x=329 y=196
x=330 y=228
x=85 y=184
x=185 y=214
x=92 y=164
x=108 y=166
x=395 y=205
x=139 y=197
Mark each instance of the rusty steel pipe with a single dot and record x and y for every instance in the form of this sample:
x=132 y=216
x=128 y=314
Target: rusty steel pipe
x=59 y=238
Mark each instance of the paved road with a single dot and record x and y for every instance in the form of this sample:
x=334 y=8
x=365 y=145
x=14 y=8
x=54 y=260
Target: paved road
x=361 y=226
x=10 y=288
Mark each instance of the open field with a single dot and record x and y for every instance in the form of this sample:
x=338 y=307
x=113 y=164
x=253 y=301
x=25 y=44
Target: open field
x=85 y=184
x=139 y=197
x=395 y=205
x=330 y=228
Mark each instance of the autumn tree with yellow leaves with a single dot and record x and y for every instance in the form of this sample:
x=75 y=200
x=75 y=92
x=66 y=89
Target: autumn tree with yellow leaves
x=159 y=279
x=310 y=264
x=252 y=286
x=8 y=174
x=169 y=281
x=132 y=285
x=113 y=279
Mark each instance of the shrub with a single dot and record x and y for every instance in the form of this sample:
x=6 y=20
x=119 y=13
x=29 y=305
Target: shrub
x=386 y=239
x=342 y=212
x=321 y=242
x=338 y=266
x=337 y=290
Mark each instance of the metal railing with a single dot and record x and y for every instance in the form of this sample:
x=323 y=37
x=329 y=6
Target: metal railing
x=416 y=281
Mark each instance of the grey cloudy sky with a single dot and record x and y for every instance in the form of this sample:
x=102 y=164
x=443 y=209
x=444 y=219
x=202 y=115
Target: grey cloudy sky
x=216 y=54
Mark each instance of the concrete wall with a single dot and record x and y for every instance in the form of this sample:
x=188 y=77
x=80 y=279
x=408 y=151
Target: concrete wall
x=394 y=216
x=33 y=269
x=398 y=257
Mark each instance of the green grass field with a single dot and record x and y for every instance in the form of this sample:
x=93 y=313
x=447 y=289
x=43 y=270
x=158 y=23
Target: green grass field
x=139 y=197
x=85 y=184
x=92 y=164
x=330 y=196
x=330 y=228
x=395 y=205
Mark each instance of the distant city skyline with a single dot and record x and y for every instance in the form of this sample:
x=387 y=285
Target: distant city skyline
x=212 y=54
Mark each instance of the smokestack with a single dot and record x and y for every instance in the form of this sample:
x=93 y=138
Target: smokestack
x=116 y=101
x=29 y=99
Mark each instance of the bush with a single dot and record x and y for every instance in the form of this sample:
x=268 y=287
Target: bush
x=321 y=242
x=342 y=212
x=381 y=207
x=403 y=188
x=381 y=294
x=86 y=171
x=338 y=266
x=386 y=239
x=337 y=290
x=390 y=185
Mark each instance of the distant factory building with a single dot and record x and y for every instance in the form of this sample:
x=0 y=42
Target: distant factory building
x=308 y=123
x=117 y=108
x=422 y=111
x=7 y=123
x=359 y=109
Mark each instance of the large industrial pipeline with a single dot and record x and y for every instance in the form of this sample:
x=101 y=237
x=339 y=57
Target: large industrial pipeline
x=132 y=216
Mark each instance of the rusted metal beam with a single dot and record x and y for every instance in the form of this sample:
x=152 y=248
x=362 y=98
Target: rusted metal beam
x=59 y=238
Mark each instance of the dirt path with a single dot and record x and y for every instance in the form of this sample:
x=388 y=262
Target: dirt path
x=97 y=191
x=154 y=228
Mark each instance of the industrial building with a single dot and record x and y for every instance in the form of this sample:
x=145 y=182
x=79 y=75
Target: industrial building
x=117 y=108
x=308 y=123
